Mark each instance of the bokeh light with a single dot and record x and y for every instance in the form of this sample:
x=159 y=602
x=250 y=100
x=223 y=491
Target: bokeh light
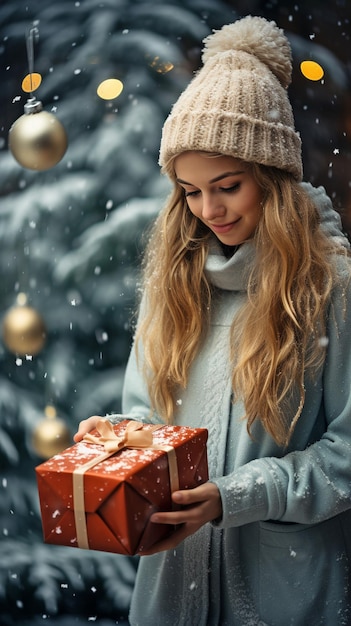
x=161 y=67
x=31 y=82
x=312 y=70
x=110 y=89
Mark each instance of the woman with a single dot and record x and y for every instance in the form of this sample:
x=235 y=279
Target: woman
x=244 y=329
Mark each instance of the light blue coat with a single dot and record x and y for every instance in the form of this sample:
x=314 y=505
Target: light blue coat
x=281 y=554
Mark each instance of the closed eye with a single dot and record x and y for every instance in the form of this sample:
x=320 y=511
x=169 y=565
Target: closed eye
x=191 y=193
x=231 y=188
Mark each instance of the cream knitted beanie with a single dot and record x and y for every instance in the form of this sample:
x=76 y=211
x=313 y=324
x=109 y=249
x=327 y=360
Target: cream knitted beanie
x=237 y=104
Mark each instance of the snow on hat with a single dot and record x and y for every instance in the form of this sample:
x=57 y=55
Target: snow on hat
x=237 y=103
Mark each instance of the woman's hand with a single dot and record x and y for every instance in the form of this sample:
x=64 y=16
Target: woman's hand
x=198 y=506
x=85 y=426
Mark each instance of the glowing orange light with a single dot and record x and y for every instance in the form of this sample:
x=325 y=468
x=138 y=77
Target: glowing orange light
x=31 y=82
x=312 y=70
x=110 y=89
x=162 y=67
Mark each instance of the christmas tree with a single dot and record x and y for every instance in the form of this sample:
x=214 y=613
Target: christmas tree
x=71 y=240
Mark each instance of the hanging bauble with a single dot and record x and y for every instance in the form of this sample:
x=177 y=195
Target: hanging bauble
x=23 y=329
x=51 y=435
x=37 y=139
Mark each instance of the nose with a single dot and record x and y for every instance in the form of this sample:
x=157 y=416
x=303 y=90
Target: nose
x=211 y=207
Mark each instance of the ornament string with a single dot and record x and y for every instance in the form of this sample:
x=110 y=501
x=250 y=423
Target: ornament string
x=33 y=32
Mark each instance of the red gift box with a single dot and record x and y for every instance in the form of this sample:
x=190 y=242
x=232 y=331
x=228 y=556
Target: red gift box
x=95 y=498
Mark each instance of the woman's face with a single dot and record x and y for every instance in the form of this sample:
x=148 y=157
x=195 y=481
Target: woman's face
x=222 y=192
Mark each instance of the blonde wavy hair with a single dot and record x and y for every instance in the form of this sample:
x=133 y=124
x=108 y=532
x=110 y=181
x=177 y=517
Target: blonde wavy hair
x=289 y=289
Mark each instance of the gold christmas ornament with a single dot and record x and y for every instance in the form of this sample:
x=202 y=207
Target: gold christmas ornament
x=23 y=329
x=37 y=139
x=51 y=435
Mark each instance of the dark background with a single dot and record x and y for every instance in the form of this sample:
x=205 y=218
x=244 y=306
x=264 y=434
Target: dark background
x=71 y=237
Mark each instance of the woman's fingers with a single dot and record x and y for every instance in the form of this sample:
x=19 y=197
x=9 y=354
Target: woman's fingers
x=198 y=506
x=85 y=427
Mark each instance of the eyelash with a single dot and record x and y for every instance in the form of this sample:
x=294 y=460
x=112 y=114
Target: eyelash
x=189 y=194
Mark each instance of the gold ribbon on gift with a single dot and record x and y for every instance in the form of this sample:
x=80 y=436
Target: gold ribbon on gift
x=135 y=436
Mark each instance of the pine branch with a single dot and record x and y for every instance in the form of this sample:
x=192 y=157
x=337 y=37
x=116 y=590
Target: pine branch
x=51 y=579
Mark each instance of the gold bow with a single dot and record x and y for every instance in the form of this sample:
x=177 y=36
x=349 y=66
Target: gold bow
x=135 y=436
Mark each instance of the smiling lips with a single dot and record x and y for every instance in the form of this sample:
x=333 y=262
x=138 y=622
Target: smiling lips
x=223 y=228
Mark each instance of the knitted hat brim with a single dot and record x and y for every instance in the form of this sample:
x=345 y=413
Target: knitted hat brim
x=241 y=137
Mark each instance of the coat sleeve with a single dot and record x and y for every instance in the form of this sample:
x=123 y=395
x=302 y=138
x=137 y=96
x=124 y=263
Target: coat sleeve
x=312 y=485
x=135 y=398
x=135 y=403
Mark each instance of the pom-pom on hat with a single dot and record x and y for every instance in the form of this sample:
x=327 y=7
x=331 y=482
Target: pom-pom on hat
x=237 y=103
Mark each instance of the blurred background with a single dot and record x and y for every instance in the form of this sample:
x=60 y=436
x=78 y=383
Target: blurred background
x=72 y=236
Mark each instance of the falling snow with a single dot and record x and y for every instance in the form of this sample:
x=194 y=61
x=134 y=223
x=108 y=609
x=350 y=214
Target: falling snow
x=72 y=238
